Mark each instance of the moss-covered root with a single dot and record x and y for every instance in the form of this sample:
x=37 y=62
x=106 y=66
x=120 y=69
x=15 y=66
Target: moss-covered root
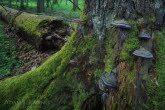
x=30 y=90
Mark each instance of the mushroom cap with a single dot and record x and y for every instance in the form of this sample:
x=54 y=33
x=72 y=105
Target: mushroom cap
x=144 y=35
x=143 y=53
x=121 y=24
x=102 y=86
x=78 y=20
x=109 y=80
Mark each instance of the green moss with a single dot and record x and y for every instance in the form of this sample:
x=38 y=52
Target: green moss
x=156 y=87
x=80 y=95
x=87 y=43
x=152 y=18
x=131 y=76
x=130 y=45
x=57 y=95
x=160 y=67
x=92 y=56
x=110 y=42
x=98 y=73
x=114 y=106
x=83 y=16
x=51 y=86
x=30 y=23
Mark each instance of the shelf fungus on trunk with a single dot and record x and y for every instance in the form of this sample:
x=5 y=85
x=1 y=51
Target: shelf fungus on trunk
x=110 y=80
x=121 y=24
x=144 y=35
x=143 y=53
x=102 y=86
x=108 y=83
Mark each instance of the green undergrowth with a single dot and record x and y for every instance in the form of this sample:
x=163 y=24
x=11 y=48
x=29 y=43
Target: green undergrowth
x=7 y=52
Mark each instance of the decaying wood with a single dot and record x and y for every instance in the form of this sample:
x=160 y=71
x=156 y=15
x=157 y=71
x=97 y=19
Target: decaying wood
x=44 y=32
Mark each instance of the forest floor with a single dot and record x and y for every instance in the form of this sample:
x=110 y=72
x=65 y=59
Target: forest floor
x=16 y=55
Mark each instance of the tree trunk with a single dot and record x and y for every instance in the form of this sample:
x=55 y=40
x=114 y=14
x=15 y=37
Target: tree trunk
x=44 y=32
x=142 y=14
x=40 y=6
x=27 y=3
x=10 y=3
x=75 y=5
x=22 y=5
x=47 y=3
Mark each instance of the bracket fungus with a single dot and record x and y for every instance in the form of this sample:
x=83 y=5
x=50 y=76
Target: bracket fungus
x=143 y=53
x=102 y=86
x=144 y=35
x=121 y=24
x=108 y=81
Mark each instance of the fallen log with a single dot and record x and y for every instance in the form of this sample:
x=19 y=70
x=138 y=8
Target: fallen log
x=42 y=31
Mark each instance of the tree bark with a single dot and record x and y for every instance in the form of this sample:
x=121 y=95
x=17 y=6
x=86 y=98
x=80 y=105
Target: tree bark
x=10 y=3
x=27 y=3
x=75 y=5
x=40 y=6
x=141 y=14
x=47 y=3
x=22 y=5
